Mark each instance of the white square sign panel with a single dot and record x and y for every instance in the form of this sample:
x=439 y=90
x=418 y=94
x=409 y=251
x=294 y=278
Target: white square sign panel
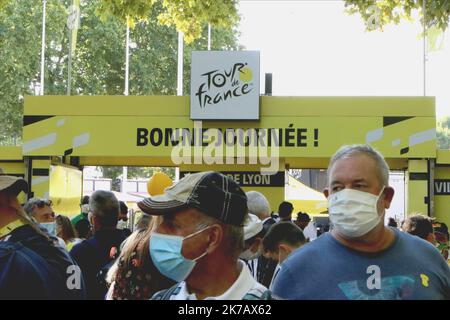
x=225 y=85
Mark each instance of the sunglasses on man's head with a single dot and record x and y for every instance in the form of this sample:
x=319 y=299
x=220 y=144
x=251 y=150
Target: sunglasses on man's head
x=43 y=203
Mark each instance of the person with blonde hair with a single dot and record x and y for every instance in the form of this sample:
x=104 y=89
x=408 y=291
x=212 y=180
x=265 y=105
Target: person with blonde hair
x=134 y=276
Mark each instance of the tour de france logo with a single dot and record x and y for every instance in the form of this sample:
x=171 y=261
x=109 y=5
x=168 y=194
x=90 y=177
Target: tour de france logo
x=225 y=85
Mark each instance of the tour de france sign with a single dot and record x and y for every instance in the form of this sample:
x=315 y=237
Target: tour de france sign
x=225 y=85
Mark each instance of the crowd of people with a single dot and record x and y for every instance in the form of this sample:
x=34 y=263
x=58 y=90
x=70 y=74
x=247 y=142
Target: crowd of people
x=205 y=238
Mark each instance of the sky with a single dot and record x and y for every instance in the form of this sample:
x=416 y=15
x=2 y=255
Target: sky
x=314 y=48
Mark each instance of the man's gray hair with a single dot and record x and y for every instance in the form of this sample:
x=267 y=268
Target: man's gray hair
x=31 y=203
x=105 y=206
x=257 y=204
x=350 y=150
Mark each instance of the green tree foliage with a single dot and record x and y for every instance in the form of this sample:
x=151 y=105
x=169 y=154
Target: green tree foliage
x=3 y=3
x=393 y=11
x=99 y=60
x=98 y=63
x=188 y=16
x=443 y=133
x=20 y=31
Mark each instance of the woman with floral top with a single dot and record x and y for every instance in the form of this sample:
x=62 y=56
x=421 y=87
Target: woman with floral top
x=134 y=276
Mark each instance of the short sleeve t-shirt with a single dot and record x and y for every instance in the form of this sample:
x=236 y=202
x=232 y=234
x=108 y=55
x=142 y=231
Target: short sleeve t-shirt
x=410 y=269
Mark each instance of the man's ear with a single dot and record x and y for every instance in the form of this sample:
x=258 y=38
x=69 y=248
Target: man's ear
x=283 y=251
x=326 y=192
x=388 y=196
x=215 y=237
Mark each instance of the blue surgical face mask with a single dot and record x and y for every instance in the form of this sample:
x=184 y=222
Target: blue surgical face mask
x=50 y=227
x=165 y=251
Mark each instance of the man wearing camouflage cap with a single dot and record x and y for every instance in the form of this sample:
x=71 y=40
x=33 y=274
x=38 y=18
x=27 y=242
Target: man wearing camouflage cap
x=200 y=239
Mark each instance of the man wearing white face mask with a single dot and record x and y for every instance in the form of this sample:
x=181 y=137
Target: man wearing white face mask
x=361 y=258
x=84 y=206
x=200 y=239
x=253 y=234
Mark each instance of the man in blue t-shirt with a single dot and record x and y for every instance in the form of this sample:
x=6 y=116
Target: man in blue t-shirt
x=361 y=258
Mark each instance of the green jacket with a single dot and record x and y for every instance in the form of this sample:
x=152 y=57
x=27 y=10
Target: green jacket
x=77 y=218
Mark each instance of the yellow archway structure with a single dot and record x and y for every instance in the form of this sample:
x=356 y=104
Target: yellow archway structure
x=137 y=130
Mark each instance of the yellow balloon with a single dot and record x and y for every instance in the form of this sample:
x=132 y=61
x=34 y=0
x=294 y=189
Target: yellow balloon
x=157 y=183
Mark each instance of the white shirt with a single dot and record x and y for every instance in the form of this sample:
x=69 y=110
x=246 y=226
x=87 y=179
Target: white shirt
x=252 y=267
x=243 y=285
x=310 y=231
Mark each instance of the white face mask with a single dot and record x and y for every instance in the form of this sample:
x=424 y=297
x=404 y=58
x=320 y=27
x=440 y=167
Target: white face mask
x=85 y=208
x=122 y=224
x=354 y=213
x=249 y=255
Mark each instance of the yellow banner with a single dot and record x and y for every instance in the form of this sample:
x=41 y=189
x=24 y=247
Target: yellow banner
x=65 y=189
x=294 y=137
x=147 y=128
